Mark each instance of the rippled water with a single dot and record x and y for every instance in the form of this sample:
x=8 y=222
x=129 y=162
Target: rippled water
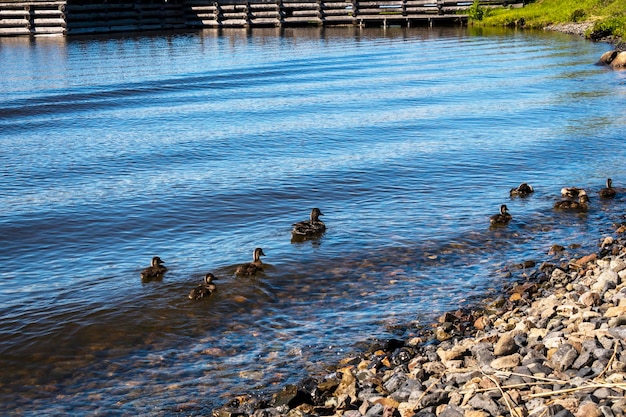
x=201 y=146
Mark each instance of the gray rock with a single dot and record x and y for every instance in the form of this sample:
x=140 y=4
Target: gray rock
x=482 y=402
x=584 y=359
x=539 y=368
x=618 y=332
x=394 y=382
x=452 y=411
x=434 y=399
x=606 y=411
x=375 y=410
x=564 y=357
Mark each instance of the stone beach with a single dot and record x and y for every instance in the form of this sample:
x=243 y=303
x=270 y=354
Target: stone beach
x=551 y=345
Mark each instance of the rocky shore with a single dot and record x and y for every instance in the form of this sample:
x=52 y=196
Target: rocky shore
x=553 y=345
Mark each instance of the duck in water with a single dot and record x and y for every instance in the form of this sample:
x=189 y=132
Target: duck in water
x=572 y=192
x=522 y=191
x=250 y=269
x=206 y=288
x=155 y=271
x=501 y=218
x=309 y=228
x=609 y=191
x=572 y=205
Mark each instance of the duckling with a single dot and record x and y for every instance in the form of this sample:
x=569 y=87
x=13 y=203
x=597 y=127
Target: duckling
x=609 y=191
x=155 y=271
x=204 y=289
x=253 y=267
x=572 y=192
x=501 y=218
x=522 y=191
x=580 y=205
x=312 y=227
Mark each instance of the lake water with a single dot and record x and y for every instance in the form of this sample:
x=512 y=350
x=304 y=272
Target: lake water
x=199 y=147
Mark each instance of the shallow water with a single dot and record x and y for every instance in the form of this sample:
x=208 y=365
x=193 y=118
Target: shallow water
x=201 y=146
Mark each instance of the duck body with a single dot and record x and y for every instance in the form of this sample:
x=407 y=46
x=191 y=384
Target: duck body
x=250 y=269
x=609 y=191
x=501 y=218
x=572 y=192
x=205 y=289
x=155 y=271
x=523 y=190
x=572 y=205
x=308 y=228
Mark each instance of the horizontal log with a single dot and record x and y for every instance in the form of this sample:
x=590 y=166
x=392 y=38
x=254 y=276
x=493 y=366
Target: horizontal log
x=333 y=13
x=234 y=23
x=203 y=23
x=265 y=22
x=233 y=7
x=204 y=16
x=303 y=13
x=9 y=13
x=49 y=22
x=301 y=6
x=295 y=19
x=255 y=6
x=234 y=16
x=202 y=8
x=14 y=31
x=48 y=30
x=14 y=23
x=258 y=15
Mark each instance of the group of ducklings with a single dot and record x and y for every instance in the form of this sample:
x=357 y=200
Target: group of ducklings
x=570 y=203
x=303 y=230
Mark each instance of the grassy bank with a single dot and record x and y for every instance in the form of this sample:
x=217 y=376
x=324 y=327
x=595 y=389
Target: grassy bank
x=606 y=18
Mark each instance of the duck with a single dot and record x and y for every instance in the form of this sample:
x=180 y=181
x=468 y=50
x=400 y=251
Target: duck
x=250 y=269
x=155 y=271
x=609 y=191
x=572 y=192
x=206 y=288
x=522 y=191
x=312 y=227
x=573 y=205
x=501 y=218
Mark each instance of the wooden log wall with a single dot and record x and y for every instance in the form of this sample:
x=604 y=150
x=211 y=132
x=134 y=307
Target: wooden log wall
x=36 y=17
x=29 y=18
x=120 y=16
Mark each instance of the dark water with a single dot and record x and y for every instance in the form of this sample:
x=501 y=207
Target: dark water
x=200 y=147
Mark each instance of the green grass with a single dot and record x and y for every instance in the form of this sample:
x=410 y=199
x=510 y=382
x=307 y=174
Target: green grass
x=608 y=16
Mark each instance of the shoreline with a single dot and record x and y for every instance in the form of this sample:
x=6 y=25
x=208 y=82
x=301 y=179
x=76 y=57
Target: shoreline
x=579 y=29
x=553 y=343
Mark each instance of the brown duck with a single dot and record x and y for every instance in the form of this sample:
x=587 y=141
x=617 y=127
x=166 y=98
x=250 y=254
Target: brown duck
x=155 y=271
x=250 y=269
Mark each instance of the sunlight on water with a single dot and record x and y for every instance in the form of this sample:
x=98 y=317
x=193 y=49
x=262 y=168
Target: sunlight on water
x=201 y=146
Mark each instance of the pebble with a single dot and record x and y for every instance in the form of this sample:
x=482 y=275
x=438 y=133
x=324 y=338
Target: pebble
x=554 y=346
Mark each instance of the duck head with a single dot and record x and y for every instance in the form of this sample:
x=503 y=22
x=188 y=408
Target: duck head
x=258 y=252
x=209 y=278
x=315 y=214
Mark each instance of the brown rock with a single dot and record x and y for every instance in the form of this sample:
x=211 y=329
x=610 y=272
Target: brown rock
x=588 y=409
x=586 y=259
x=482 y=322
x=590 y=299
x=506 y=362
x=505 y=345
